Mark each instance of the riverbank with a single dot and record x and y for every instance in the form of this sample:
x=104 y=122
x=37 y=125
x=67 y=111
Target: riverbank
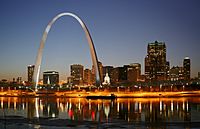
x=84 y=94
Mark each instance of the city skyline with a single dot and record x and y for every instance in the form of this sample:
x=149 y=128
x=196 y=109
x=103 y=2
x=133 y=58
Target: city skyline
x=121 y=32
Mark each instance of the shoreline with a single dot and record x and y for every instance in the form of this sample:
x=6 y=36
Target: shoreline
x=103 y=93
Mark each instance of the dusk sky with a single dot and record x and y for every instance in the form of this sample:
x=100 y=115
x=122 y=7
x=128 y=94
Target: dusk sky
x=121 y=31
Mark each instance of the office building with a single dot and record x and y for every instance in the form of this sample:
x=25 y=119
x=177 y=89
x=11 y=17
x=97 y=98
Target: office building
x=127 y=73
x=77 y=74
x=114 y=76
x=50 y=78
x=133 y=72
x=87 y=77
x=155 y=61
x=119 y=74
x=186 y=66
x=176 y=73
x=123 y=73
x=30 y=73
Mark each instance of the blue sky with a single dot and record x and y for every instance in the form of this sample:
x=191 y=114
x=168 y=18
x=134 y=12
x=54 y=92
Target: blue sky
x=120 y=30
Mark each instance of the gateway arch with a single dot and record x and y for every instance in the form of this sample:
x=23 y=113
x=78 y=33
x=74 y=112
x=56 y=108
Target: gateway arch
x=42 y=43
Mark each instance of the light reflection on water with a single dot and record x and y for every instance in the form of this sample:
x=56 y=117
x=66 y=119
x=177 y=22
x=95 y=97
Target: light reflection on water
x=147 y=110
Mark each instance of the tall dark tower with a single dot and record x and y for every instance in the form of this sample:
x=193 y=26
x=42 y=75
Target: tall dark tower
x=186 y=67
x=155 y=61
x=30 y=73
x=77 y=74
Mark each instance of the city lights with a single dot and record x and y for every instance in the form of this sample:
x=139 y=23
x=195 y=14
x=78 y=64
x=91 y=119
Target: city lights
x=127 y=64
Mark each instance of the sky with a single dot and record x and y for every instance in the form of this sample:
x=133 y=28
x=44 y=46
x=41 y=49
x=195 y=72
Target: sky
x=120 y=29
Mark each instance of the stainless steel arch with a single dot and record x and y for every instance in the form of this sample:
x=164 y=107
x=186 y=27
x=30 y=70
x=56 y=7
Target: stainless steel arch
x=44 y=37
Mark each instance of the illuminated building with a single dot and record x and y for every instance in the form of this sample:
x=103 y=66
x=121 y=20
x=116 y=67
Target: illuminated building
x=87 y=77
x=108 y=69
x=176 y=73
x=30 y=73
x=134 y=72
x=155 y=61
x=106 y=80
x=77 y=74
x=119 y=74
x=186 y=66
x=51 y=78
x=127 y=73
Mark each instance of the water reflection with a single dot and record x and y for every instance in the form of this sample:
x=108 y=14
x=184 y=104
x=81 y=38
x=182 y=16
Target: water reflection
x=147 y=110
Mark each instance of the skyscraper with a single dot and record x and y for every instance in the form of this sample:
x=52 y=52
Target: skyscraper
x=186 y=67
x=77 y=74
x=30 y=73
x=155 y=61
x=87 y=77
x=51 y=78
